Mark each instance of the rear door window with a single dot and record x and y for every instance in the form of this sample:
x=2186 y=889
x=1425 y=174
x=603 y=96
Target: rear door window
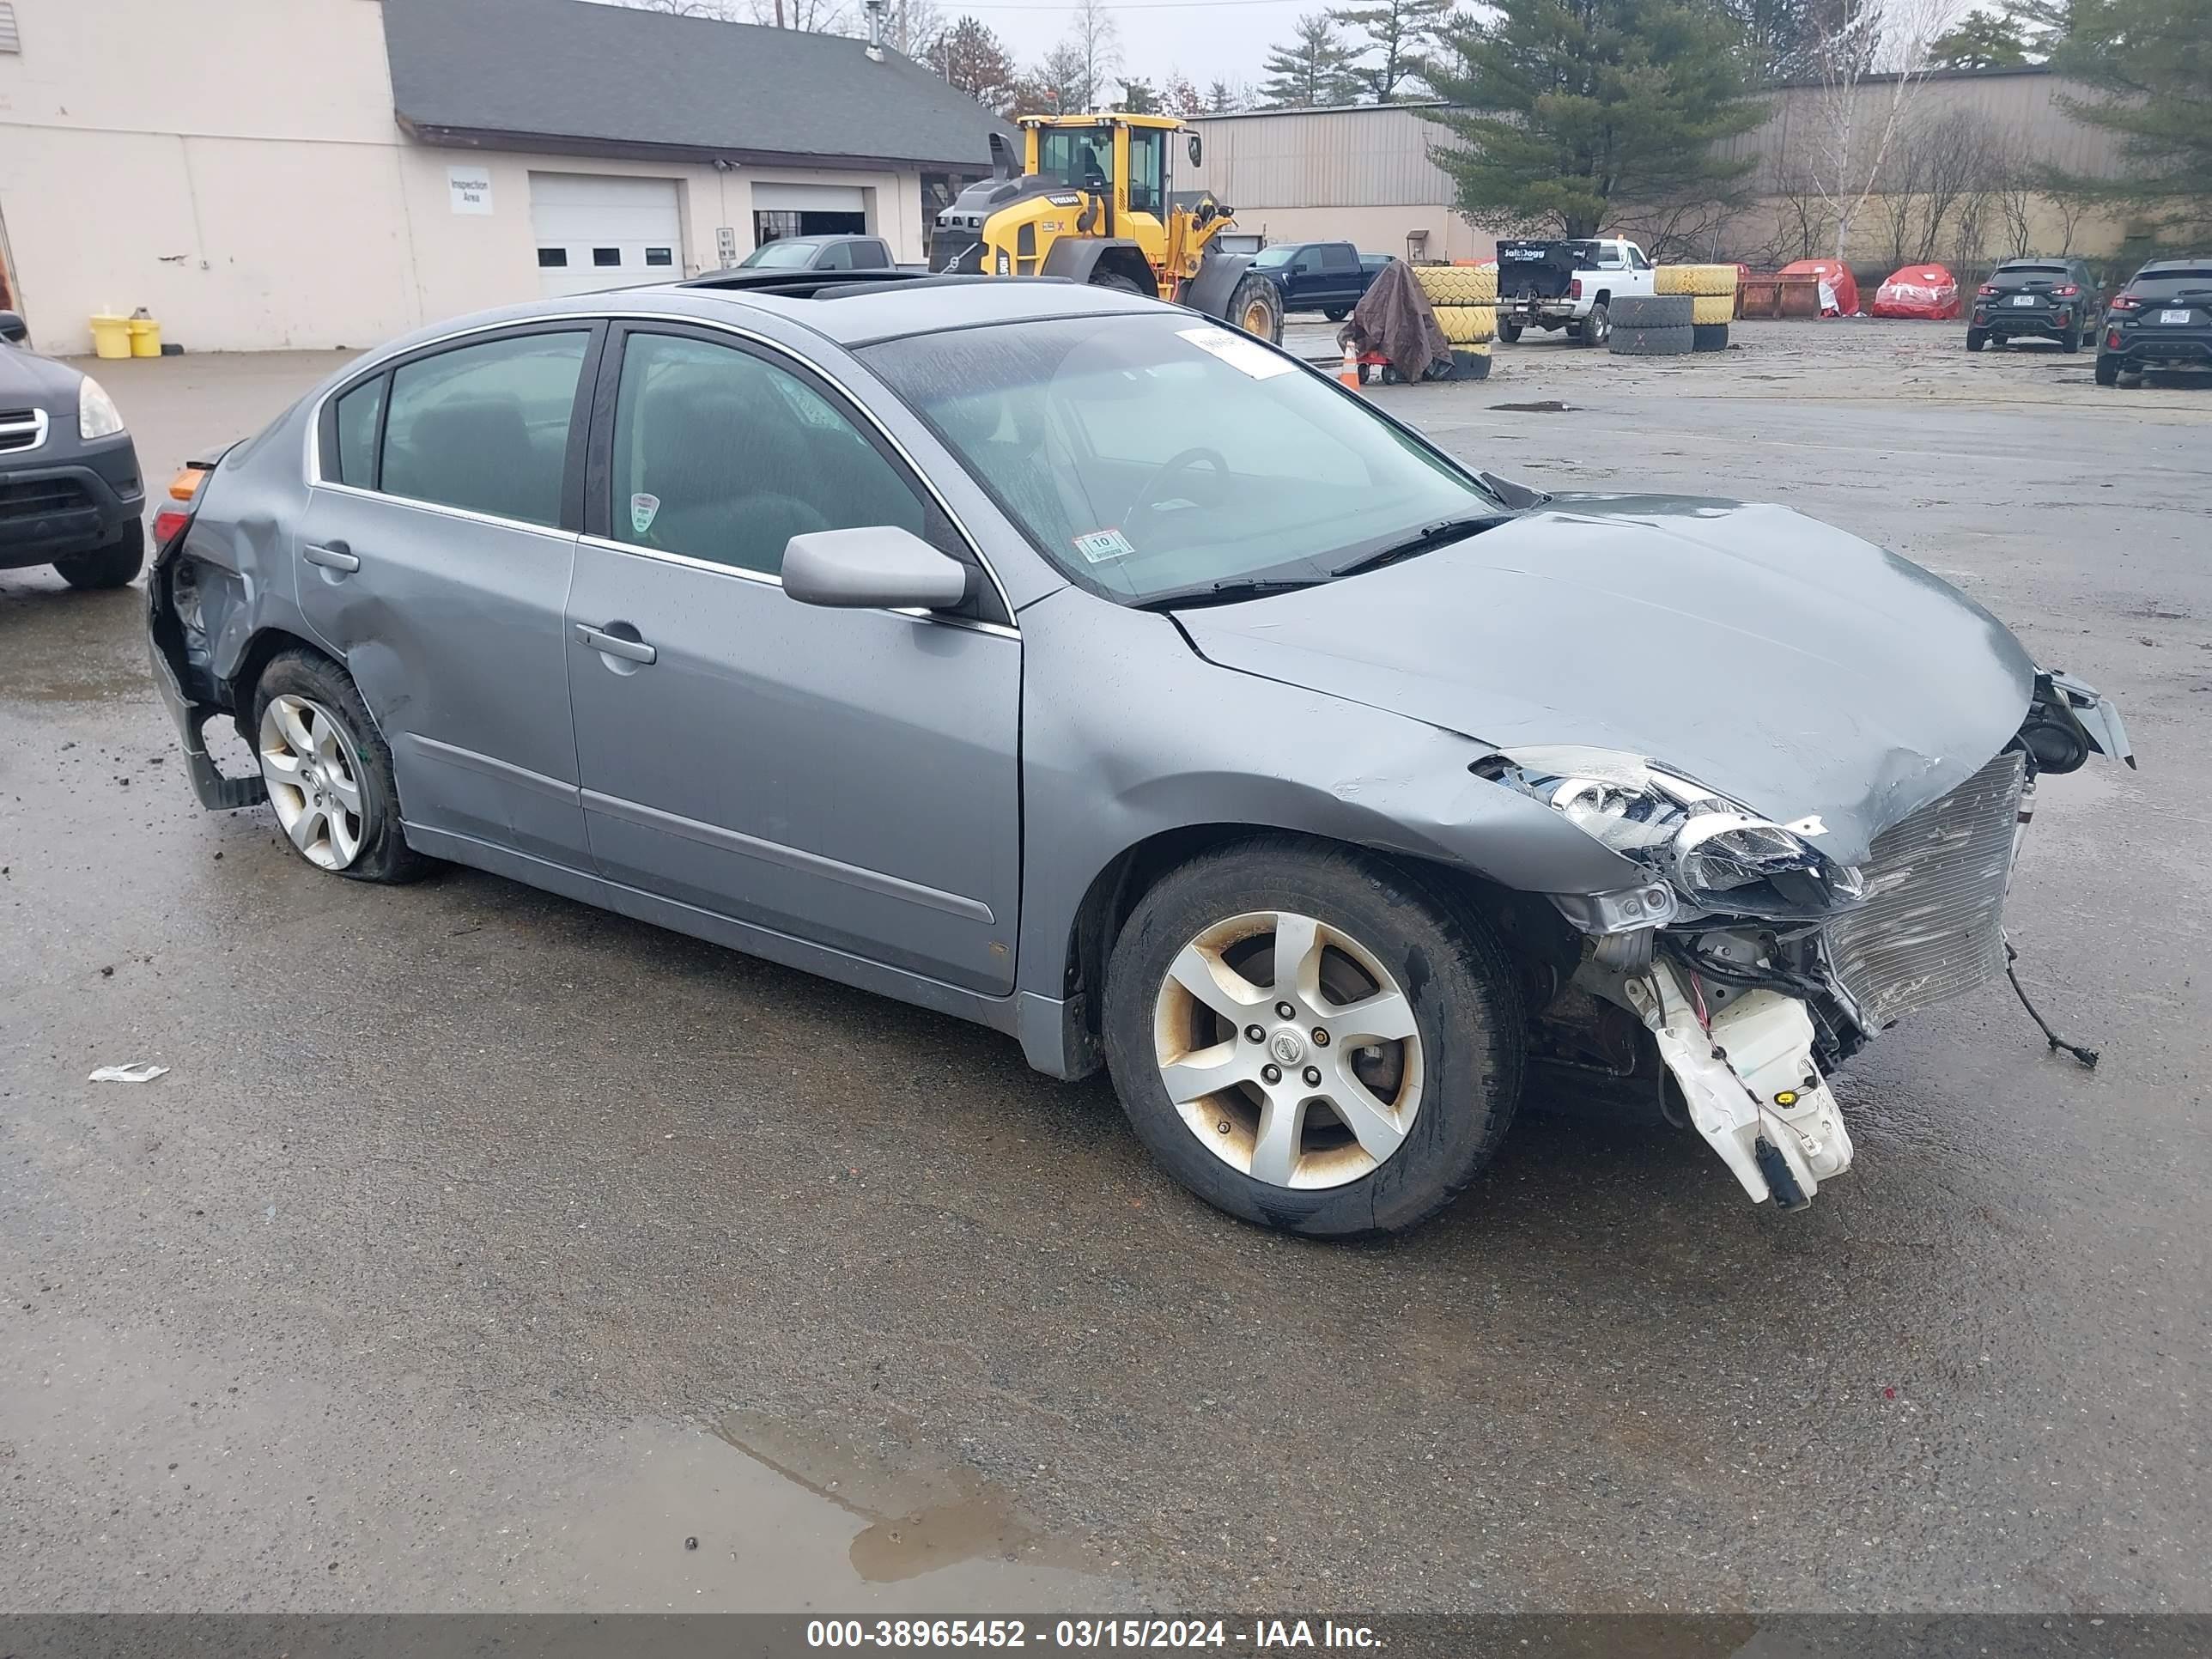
x=1339 y=256
x=485 y=427
x=359 y=416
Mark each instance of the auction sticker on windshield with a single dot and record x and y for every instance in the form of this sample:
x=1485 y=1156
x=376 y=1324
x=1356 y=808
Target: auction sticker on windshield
x=1100 y=545
x=1239 y=351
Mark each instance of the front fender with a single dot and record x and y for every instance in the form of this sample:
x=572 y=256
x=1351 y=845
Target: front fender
x=1127 y=734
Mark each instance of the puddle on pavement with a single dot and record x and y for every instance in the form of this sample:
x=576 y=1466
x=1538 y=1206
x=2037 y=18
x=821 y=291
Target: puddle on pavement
x=1542 y=406
x=785 y=1521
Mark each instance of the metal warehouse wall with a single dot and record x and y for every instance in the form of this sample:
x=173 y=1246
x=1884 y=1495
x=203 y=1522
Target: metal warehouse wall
x=1367 y=157
x=1379 y=157
x=2022 y=105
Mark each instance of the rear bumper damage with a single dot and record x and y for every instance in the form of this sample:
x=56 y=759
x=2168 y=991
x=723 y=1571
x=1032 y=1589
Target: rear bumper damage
x=1750 y=1013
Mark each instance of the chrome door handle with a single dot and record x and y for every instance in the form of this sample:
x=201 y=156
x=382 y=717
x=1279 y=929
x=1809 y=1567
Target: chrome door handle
x=615 y=646
x=334 y=557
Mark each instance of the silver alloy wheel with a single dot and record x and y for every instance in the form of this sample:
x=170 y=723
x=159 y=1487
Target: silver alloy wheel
x=315 y=780
x=1288 y=1049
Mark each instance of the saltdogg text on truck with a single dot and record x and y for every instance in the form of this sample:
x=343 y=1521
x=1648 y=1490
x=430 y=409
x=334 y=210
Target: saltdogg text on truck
x=1567 y=284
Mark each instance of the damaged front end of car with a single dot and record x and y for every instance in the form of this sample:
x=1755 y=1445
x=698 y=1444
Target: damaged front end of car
x=1754 y=961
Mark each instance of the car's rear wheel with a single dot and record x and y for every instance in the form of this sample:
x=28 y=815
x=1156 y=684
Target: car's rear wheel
x=1336 y=313
x=2107 y=372
x=1313 y=1040
x=329 y=772
x=2072 y=339
x=1508 y=332
x=1596 y=328
x=113 y=563
x=1975 y=339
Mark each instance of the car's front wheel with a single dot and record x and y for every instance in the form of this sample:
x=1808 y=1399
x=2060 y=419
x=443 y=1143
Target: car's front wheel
x=329 y=772
x=113 y=563
x=1311 y=1039
x=1508 y=332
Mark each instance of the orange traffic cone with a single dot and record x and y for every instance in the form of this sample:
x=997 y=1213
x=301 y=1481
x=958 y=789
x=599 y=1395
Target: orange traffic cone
x=1350 y=373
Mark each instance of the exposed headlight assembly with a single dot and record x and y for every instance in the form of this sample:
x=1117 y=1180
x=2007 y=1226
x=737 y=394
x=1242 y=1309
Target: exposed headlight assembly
x=1712 y=855
x=97 y=415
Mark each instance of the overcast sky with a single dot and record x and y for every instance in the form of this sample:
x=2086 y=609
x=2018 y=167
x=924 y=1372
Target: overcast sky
x=1207 y=39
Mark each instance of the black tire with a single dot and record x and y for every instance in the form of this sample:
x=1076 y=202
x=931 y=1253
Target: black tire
x=2107 y=372
x=1257 y=300
x=1654 y=311
x=113 y=563
x=1466 y=1014
x=385 y=855
x=1470 y=365
x=1709 y=336
x=1653 y=342
x=1118 y=282
x=1508 y=332
x=1336 y=313
x=2072 y=339
x=1595 y=329
x=1975 y=339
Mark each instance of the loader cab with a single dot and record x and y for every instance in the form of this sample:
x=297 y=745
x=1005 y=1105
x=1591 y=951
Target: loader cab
x=1120 y=161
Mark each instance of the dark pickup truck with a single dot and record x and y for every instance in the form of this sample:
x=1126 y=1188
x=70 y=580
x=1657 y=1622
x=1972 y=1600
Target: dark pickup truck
x=1325 y=276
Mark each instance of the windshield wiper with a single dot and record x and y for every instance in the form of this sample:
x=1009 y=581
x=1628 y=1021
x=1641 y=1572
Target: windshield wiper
x=1227 y=592
x=1428 y=536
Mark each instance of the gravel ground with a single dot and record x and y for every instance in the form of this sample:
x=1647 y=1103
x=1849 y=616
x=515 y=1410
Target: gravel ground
x=480 y=1249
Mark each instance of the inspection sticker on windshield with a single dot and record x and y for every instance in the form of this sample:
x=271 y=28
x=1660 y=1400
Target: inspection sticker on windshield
x=1239 y=351
x=642 y=507
x=1100 y=545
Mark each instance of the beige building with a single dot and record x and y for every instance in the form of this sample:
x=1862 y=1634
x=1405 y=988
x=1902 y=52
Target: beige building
x=1366 y=174
x=267 y=173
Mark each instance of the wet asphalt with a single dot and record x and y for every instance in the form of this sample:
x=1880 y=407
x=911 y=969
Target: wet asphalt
x=480 y=1251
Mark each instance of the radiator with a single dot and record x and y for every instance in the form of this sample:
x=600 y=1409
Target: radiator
x=1931 y=926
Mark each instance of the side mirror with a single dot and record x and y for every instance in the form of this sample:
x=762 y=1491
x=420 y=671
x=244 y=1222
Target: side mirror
x=876 y=567
x=1197 y=150
x=13 y=328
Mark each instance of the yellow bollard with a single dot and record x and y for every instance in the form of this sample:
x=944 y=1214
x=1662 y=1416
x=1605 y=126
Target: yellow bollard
x=111 y=334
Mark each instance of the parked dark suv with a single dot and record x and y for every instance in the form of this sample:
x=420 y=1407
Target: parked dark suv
x=2161 y=319
x=2050 y=299
x=69 y=493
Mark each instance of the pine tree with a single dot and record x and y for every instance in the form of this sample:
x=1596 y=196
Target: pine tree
x=2149 y=63
x=1569 y=111
x=1393 y=39
x=1311 y=70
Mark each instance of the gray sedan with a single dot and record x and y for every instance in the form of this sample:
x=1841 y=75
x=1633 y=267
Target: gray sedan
x=1059 y=660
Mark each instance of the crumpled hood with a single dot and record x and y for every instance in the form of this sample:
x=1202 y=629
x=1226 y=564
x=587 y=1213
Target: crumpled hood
x=30 y=381
x=1777 y=659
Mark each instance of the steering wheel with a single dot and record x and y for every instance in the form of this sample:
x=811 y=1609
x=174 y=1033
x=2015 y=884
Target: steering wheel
x=1147 y=497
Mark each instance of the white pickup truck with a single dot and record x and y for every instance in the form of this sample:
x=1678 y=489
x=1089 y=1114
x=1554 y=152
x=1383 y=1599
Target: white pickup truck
x=1568 y=283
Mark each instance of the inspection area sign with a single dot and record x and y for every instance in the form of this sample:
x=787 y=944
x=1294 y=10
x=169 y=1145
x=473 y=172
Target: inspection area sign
x=470 y=189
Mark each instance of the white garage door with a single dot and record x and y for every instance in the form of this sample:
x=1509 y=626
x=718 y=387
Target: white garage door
x=604 y=230
x=809 y=198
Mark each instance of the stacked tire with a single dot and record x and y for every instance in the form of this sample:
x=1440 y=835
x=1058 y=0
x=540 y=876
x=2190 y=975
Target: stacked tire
x=1652 y=325
x=1465 y=299
x=1712 y=289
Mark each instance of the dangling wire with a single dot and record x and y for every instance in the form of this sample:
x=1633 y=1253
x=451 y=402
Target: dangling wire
x=2086 y=1056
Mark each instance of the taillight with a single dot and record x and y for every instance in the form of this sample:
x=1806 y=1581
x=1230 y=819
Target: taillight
x=177 y=512
x=2067 y=290
x=1575 y=288
x=2126 y=303
x=2112 y=339
x=1988 y=288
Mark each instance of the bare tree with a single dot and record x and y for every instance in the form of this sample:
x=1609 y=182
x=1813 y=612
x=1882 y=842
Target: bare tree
x=718 y=10
x=2014 y=197
x=1871 y=56
x=810 y=16
x=1961 y=154
x=2071 y=206
x=911 y=28
x=1092 y=32
x=1804 y=224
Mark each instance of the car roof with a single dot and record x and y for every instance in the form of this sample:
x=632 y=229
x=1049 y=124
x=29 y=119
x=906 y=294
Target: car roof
x=855 y=313
x=2156 y=266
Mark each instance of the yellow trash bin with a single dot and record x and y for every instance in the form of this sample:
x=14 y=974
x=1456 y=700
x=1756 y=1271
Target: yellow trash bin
x=111 y=334
x=145 y=335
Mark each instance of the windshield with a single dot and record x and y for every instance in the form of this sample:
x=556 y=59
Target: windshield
x=782 y=255
x=2169 y=284
x=1154 y=454
x=1281 y=254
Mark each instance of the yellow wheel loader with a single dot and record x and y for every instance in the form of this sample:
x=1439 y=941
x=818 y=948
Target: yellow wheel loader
x=1092 y=203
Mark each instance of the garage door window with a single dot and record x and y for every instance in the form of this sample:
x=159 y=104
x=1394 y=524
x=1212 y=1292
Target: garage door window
x=486 y=426
x=719 y=455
